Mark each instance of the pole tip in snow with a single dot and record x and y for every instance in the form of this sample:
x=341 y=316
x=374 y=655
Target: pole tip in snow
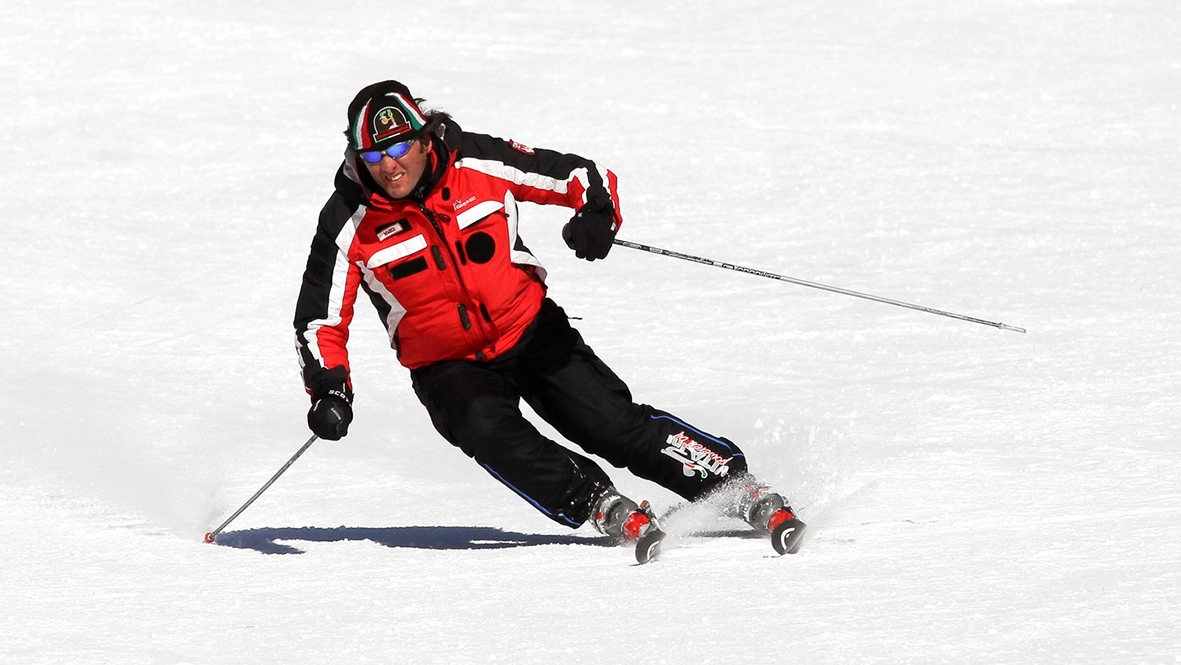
x=1005 y=326
x=210 y=538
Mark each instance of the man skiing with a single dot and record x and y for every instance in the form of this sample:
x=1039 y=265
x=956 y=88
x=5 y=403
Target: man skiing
x=423 y=219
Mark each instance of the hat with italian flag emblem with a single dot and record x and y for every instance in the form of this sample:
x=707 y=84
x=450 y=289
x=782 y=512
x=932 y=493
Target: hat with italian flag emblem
x=383 y=114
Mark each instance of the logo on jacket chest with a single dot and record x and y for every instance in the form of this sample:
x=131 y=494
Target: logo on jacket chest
x=387 y=231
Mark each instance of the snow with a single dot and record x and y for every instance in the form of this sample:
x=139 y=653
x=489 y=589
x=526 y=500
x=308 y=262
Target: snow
x=975 y=495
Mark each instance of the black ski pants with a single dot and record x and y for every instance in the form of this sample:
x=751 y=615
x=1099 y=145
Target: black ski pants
x=476 y=406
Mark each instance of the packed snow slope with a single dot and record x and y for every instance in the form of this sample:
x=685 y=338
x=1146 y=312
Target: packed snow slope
x=976 y=495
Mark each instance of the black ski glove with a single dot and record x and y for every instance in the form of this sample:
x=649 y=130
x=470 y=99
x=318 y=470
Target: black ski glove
x=331 y=410
x=329 y=418
x=591 y=230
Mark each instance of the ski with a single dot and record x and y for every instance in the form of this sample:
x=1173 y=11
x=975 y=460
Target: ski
x=648 y=546
x=785 y=535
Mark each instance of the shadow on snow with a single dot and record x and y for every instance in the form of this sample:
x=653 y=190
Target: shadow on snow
x=266 y=539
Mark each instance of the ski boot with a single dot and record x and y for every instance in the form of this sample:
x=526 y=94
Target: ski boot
x=766 y=511
x=617 y=516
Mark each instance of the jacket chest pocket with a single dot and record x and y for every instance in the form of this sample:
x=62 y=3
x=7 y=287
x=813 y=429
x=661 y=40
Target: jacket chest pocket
x=396 y=259
x=481 y=234
x=478 y=213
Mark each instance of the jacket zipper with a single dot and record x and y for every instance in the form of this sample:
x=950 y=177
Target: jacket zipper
x=464 y=319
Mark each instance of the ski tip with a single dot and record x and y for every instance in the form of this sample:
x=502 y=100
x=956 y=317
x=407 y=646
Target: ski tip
x=787 y=535
x=648 y=546
x=210 y=538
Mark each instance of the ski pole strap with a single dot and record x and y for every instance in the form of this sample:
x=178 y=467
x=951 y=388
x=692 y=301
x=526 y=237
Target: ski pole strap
x=814 y=285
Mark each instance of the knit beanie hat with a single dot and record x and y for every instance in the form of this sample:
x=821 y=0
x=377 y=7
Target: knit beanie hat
x=383 y=114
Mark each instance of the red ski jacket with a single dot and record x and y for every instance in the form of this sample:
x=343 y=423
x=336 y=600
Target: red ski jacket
x=448 y=274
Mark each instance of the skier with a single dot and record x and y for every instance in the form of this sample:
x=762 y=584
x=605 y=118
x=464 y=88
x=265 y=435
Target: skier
x=423 y=219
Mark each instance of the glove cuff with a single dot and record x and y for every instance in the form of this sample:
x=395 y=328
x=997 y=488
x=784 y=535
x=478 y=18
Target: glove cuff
x=598 y=204
x=332 y=383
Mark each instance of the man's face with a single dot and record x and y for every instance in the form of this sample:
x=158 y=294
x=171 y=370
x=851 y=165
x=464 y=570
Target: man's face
x=398 y=177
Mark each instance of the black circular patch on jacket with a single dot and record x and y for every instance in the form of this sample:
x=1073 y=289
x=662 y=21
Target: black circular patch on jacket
x=480 y=247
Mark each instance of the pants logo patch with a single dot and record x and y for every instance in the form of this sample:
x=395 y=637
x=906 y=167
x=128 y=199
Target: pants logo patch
x=695 y=457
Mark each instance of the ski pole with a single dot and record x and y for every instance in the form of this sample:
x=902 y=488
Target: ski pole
x=814 y=285
x=211 y=537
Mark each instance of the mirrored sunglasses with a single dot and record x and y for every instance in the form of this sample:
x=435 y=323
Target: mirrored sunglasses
x=395 y=151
